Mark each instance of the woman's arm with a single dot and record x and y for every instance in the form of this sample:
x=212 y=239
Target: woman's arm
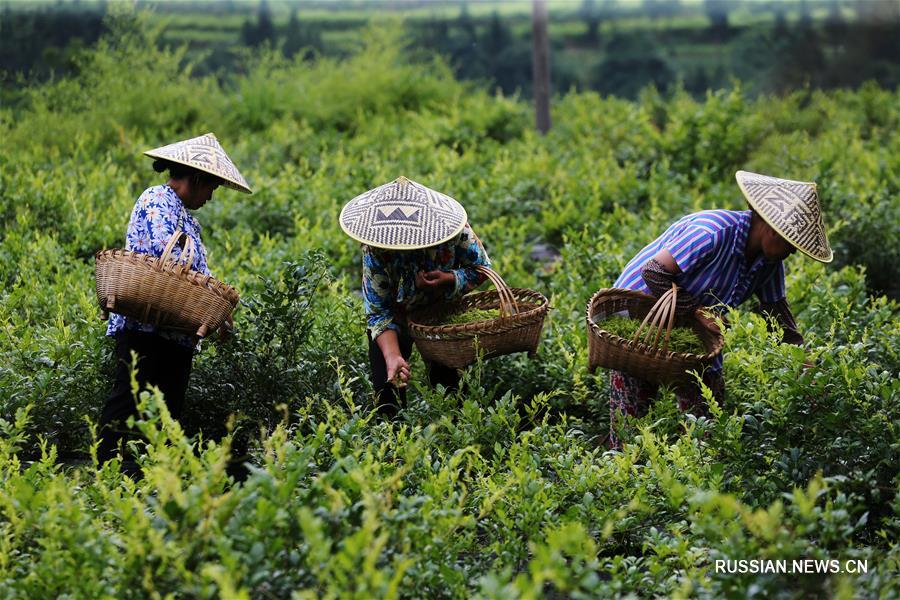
x=378 y=302
x=780 y=311
x=773 y=303
x=468 y=254
x=659 y=274
x=377 y=294
x=681 y=254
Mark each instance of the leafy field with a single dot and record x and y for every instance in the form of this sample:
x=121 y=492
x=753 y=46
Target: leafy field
x=502 y=490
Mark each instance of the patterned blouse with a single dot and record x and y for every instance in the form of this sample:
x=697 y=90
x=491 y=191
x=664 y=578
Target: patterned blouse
x=157 y=213
x=389 y=278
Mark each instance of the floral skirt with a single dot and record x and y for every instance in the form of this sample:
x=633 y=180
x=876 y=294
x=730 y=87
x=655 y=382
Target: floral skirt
x=632 y=396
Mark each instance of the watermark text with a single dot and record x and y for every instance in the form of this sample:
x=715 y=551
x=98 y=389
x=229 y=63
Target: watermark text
x=803 y=566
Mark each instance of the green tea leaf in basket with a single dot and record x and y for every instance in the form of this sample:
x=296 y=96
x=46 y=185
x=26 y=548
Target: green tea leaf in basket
x=682 y=339
x=472 y=316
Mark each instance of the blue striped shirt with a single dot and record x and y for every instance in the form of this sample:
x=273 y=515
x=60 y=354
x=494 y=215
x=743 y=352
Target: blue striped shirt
x=708 y=247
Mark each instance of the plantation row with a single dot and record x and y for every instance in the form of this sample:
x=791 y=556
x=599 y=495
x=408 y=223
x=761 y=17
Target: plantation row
x=503 y=489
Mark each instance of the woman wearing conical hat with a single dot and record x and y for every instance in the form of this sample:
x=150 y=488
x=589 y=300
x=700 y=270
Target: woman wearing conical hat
x=723 y=257
x=417 y=249
x=196 y=167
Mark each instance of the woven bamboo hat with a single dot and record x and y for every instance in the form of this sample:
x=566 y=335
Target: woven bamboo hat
x=791 y=208
x=205 y=154
x=402 y=215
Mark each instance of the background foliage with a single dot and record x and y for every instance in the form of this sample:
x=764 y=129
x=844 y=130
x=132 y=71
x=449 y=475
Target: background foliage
x=505 y=488
x=611 y=46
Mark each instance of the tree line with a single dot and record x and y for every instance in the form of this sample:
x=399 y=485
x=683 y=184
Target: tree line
x=597 y=52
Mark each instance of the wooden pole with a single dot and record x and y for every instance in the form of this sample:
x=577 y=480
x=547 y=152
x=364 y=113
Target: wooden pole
x=541 y=65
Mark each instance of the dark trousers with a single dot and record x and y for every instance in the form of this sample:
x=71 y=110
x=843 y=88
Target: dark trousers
x=388 y=398
x=161 y=363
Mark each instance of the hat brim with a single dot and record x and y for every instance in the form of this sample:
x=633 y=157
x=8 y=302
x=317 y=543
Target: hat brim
x=375 y=244
x=402 y=215
x=826 y=258
x=226 y=181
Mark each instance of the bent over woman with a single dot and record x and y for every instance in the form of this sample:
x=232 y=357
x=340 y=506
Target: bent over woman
x=417 y=250
x=722 y=258
x=196 y=168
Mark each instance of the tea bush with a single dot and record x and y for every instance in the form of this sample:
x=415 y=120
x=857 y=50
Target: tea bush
x=503 y=489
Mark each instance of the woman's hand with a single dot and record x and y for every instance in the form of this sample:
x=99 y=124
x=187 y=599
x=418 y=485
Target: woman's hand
x=397 y=370
x=434 y=279
x=397 y=367
x=226 y=329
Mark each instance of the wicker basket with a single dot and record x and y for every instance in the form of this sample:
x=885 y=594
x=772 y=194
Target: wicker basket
x=517 y=329
x=162 y=291
x=642 y=356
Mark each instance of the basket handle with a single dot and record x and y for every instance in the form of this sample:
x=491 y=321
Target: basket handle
x=662 y=314
x=508 y=304
x=188 y=249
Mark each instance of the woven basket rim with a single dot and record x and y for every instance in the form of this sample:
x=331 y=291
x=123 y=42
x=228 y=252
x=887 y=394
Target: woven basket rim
x=489 y=327
x=641 y=348
x=189 y=276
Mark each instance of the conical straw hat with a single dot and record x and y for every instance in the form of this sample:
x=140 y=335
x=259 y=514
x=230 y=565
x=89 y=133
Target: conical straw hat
x=791 y=208
x=205 y=154
x=402 y=215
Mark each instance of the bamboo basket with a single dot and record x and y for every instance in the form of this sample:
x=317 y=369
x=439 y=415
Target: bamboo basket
x=162 y=291
x=517 y=329
x=643 y=356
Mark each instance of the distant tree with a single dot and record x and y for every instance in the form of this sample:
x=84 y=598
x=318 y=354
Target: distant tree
x=457 y=40
x=497 y=37
x=781 y=25
x=44 y=40
x=293 y=36
x=717 y=13
x=248 y=33
x=434 y=35
x=591 y=17
x=256 y=34
x=805 y=16
x=752 y=57
x=465 y=22
x=513 y=69
x=632 y=62
x=300 y=38
x=835 y=24
x=465 y=50
x=265 y=27
x=799 y=59
x=872 y=46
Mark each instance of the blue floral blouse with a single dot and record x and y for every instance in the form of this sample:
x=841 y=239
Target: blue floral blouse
x=389 y=278
x=157 y=213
